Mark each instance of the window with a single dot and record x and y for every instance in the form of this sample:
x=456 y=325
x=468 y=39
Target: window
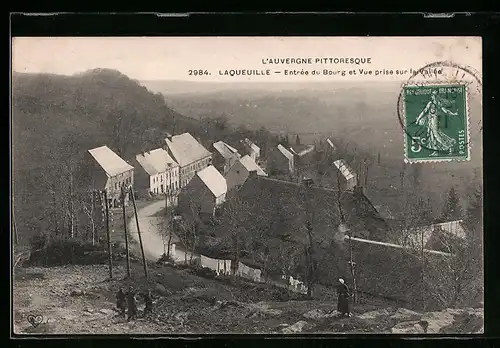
x=161 y=178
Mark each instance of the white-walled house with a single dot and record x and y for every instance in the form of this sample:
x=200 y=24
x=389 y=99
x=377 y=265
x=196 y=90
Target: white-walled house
x=108 y=171
x=240 y=171
x=157 y=172
x=224 y=157
x=281 y=160
x=251 y=149
x=349 y=179
x=204 y=192
x=189 y=154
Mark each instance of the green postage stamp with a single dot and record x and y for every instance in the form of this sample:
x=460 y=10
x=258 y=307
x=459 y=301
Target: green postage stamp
x=436 y=122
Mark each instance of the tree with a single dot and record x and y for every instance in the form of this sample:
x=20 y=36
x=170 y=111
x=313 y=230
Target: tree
x=474 y=214
x=452 y=210
x=189 y=226
x=234 y=214
x=297 y=140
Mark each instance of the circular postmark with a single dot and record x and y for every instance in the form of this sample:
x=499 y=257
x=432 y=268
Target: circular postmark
x=433 y=110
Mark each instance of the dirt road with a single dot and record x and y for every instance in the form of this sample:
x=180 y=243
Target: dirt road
x=151 y=224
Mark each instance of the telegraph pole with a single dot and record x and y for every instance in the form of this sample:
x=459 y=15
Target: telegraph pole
x=124 y=192
x=139 y=232
x=110 y=252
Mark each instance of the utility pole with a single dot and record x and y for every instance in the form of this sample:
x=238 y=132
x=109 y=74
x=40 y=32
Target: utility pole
x=352 y=265
x=124 y=192
x=55 y=212
x=139 y=233
x=14 y=225
x=92 y=214
x=110 y=252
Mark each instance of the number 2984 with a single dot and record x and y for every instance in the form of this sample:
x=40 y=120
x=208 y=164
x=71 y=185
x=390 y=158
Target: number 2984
x=198 y=72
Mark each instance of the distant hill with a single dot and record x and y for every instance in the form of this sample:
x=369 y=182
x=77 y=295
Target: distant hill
x=350 y=111
x=98 y=107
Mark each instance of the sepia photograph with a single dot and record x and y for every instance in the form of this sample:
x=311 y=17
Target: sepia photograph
x=246 y=185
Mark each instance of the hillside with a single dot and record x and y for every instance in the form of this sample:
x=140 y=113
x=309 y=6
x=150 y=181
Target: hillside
x=80 y=300
x=56 y=119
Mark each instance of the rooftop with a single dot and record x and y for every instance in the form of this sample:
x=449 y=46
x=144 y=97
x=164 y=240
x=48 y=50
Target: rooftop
x=156 y=161
x=344 y=169
x=252 y=145
x=250 y=165
x=285 y=152
x=280 y=206
x=186 y=149
x=109 y=161
x=302 y=150
x=225 y=150
x=214 y=180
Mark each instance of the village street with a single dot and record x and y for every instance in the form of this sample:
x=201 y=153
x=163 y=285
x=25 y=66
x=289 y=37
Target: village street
x=150 y=224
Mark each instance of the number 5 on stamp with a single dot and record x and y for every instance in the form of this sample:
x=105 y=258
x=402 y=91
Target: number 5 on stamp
x=436 y=123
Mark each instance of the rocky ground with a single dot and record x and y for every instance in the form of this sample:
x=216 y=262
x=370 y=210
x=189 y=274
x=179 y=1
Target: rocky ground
x=81 y=300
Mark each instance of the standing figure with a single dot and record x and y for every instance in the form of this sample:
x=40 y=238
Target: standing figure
x=121 y=301
x=148 y=300
x=436 y=139
x=343 y=298
x=132 y=304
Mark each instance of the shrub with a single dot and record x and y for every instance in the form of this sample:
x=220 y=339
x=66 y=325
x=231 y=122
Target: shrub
x=57 y=252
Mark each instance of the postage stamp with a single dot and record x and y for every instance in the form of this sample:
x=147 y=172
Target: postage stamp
x=436 y=122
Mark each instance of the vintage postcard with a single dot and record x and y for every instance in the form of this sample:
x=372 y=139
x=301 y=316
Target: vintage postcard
x=263 y=185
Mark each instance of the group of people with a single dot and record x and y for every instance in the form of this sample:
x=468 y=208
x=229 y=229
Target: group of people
x=127 y=302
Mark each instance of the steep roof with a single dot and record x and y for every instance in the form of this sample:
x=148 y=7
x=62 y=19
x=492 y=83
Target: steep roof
x=449 y=229
x=280 y=207
x=285 y=152
x=225 y=150
x=156 y=161
x=344 y=169
x=109 y=161
x=214 y=180
x=186 y=149
x=302 y=150
x=250 y=165
x=330 y=143
x=252 y=145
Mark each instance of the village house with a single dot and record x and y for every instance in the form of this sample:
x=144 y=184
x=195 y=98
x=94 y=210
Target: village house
x=189 y=154
x=240 y=171
x=443 y=236
x=157 y=172
x=108 y=171
x=281 y=161
x=206 y=191
x=348 y=179
x=330 y=146
x=301 y=150
x=251 y=149
x=224 y=157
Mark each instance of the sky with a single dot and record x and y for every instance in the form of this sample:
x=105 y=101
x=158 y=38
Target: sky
x=171 y=58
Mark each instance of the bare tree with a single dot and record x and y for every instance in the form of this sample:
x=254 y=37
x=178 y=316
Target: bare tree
x=188 y=228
